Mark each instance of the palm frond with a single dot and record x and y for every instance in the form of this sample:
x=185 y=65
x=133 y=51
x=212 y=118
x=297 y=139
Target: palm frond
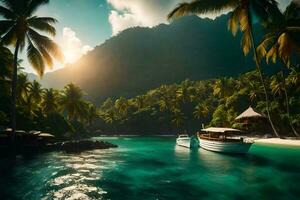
x=35 y=58
x=285 y=48
x=246 y=43
x=272 y=54
x=9 y=38
x=49 y=20
x=17 y=6
x=47 y=58
x=233 y=22
x=33 y=5
x=269 y=41
x=5 y=25
x=43 y=24
x=43 y=42
x=6 y=13
x=202 y=7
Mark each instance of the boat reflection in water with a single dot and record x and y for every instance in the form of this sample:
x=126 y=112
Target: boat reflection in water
x=224 y=140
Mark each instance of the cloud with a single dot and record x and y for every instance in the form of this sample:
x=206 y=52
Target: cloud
x=120 y=22
x=72 y=46
x=132 y=13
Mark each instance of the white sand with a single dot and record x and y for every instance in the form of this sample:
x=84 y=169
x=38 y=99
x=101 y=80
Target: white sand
x=290 y=142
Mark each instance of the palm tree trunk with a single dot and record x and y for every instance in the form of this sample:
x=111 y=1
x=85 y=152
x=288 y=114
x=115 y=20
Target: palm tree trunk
x=288 y=106
x=14 y=91
x=258 y=67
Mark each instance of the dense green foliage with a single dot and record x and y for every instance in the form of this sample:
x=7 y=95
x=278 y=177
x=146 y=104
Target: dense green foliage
x=62 y=113
x=167 y=109
x=21 y=28
x=173 y=106
x=216 y=102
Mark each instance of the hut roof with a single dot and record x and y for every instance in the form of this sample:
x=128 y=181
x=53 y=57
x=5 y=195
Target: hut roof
x=249 y=113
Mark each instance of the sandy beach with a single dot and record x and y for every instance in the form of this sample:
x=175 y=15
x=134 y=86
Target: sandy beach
x=290 y=142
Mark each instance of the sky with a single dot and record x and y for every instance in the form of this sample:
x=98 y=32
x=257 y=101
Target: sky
x=84 y=24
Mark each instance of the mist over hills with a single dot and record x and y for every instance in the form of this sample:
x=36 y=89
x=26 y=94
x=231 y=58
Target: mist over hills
x=139 y=59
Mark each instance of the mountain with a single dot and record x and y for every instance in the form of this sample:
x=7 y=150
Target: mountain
x=139 y=59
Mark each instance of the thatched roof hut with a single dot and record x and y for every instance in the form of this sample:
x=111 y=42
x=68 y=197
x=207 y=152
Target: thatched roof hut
x=249 y=113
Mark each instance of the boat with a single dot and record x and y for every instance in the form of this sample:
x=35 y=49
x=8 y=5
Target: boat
x=224 y=140
x=183 y=140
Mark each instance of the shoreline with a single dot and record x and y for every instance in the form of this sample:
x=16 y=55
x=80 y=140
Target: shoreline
x=278 y=141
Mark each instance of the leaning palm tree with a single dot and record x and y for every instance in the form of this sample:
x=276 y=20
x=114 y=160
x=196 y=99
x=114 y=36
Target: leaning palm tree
x=20 y=27
x=283 y=41
x=241 y=17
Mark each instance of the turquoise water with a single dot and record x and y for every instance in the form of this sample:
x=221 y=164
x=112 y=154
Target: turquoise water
x=153 y=168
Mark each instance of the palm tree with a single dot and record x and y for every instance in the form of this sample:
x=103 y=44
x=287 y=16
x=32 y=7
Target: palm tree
x=294 y=76
x=241 y=17
x=223 y=87
x=183 y=91
x=108 y=116
x=92 y=114
x=22 y=90
x=49 y=104
x=20 y=26
x=277 y=84
x=282 y=41
x=178 y=118
x=35 y=92
x=121 y=105
x=107 y=104
x=6 y=60
x=283 y=37
x=72 y=102
x=139 y=102
x=201 y=110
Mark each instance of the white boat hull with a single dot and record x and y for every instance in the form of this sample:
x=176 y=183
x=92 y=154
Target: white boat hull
x=225 y=147
x=184 y=142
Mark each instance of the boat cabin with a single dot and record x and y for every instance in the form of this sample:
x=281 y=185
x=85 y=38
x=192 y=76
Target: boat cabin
x=183 y=136
x=220 y=134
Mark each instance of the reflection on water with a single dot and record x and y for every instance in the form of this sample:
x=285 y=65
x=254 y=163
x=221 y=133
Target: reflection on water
x=153 y=168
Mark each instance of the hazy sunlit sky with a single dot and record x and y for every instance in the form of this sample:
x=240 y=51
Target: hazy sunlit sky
x=84 y=24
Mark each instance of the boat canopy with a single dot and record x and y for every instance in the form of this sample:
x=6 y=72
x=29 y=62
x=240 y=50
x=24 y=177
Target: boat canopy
x=220 y=130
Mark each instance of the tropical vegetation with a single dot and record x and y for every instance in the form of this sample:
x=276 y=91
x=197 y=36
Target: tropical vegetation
x=20 y=27
x=244 y=14
x=189 y=104
x=168 y=108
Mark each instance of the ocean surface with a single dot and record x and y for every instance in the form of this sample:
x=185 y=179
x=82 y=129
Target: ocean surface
x=153 y=168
